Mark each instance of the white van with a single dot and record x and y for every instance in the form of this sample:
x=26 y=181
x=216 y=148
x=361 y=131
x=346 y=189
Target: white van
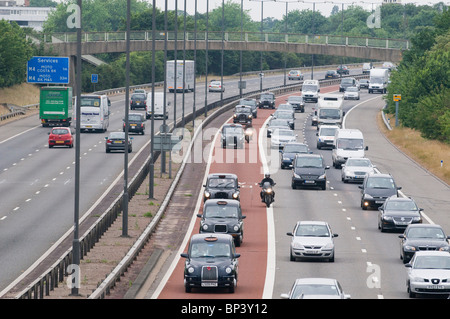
x=159 y=105
x=347 y=143
x=330 y=111
x=94 y=112
x=310 y=90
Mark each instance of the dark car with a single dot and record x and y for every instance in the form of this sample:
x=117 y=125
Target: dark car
x=376 y=188
x=252 y=103
x=364 y=84
x=60 y=136
x=266 y=100
x=138 y=100
x=116 y=142
x=331 y=74
x=348 y=82
x=223 y=216
x=290 y=150
x=243 y=115
x=136 y=123
x=285 y=115
x=233 y=135
x=297 y=102
x=397 y=213
x=342 y=69
x=419 y=237
x=221 y=186
x=309 y=171
x=211 y=262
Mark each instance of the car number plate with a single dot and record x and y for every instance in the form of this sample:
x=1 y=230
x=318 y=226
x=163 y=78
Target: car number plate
x=209 y=284
x=118 y=142
x=59 y=142
x=435 y=287
x=88 y=126
x=313 y=251
x=309 y=182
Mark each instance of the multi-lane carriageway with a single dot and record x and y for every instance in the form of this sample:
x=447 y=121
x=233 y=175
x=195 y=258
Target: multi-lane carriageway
x=367 y=261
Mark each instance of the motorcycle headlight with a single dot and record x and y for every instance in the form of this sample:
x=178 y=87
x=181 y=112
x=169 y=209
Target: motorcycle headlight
x=269 y=190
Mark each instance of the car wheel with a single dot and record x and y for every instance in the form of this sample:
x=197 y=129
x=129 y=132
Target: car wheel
x=187 y=289
x=292 y=257
x=233 y=286
x=331 y=260
x=293 y=186
x=408 y=289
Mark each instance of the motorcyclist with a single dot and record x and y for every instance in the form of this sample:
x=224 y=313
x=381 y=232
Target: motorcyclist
x=266 y=179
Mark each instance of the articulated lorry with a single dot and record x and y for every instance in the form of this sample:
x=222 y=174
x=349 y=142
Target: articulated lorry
x=185 y=82
x=55 y=105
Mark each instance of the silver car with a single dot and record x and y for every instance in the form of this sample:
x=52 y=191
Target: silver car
x=352 y=93
x=316 y=288
x=355 y=169
x=312 y=239
x=428 y=272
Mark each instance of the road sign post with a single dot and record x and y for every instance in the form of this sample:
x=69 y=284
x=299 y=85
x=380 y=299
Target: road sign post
x=397 y=98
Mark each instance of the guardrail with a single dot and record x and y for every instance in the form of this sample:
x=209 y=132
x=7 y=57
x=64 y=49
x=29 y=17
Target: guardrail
x=57 y=272
x=297 y=38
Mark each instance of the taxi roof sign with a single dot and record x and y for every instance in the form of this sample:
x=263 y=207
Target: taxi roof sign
x=211 y=238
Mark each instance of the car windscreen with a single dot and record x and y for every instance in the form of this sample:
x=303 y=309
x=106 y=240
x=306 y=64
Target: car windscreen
x=312 y=230
x=327 y=131
x=267 y=97
x=425 y=232
x=352 y=89
x=313 y=289
x=243 y=110
x=205 y=249
x=380 y=183
x=60 y=131
x=295 y=99
x=247 y=102
x=134 y=117
x=117 y=135
x=233 y=130
x=432 y=262
x=309 y=88
x=400 y=205
x=283 y=115
x=90 y=101
x=278 y=122
x=291 y=148
x=347 y=81
x=308 y=162
x=330 y=113
x=350 y=143
x=222 y=182
x=220 y=211
x=284 y=107
x=358 y=162
x=283 y=133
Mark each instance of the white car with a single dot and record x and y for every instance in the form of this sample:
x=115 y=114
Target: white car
x=216 y=86
x=355 y=169
x=352 y=93
x=312 y=239
x=295 y=75
x=316 y=288
x=280 y=137
x=428 y=272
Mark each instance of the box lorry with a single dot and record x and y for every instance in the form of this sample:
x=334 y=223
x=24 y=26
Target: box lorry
x=378 y=80
x=329 y=111
x=158 y=107
x=55 y=105
x=185 y=73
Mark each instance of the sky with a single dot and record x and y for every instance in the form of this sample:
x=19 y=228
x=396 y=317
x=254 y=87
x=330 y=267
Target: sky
x=277 y=9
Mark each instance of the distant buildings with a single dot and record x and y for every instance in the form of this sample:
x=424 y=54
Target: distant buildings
x=25 y=16
x=392 y=1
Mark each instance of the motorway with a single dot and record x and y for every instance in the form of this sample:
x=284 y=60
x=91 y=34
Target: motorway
x=37 y=183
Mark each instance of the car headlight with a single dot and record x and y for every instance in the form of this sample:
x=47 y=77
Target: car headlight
x=417 y=219
x=367 y=196
x=191 y=270
x=417 y=279
x=328 y=246
x=235 y=195
x=207 y=194
x=286 y=159
x=296 y=175
x=205 y=227
x=234 y=115
x=410 y=248
x=323 y=176
x=236 y=228
x=228 y=270
x=388 y=218
x=297 y=246
x=445 y=248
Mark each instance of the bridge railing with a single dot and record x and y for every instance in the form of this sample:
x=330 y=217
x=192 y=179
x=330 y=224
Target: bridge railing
x=295 y=38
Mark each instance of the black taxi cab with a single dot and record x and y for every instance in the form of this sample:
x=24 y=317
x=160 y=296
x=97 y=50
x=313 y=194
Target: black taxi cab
x=223 y=216
x=221 y=185
x=211 y=262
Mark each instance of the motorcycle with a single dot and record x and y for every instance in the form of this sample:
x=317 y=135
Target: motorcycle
x=268 y=194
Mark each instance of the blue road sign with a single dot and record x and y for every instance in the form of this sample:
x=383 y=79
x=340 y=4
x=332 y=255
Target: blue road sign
x=52 y=70
x=94 y=78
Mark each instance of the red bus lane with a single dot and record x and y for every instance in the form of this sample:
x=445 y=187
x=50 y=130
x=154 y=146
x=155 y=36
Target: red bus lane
x=246 y=164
